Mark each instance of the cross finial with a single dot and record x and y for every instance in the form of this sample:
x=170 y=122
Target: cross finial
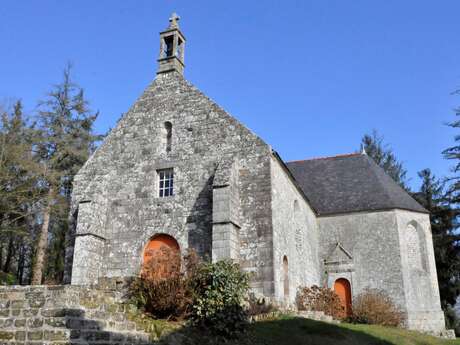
x=173 y=20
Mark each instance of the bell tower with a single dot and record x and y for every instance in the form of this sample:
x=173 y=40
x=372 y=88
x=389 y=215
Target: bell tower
x=172 y=46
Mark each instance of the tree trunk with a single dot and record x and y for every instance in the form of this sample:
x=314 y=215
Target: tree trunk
x=9 y=255
x=20 y=271
x=37 y=272
x=1 y=254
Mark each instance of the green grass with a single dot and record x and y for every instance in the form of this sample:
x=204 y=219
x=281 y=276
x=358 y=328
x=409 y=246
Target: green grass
x=295 y=331
x=288 y=330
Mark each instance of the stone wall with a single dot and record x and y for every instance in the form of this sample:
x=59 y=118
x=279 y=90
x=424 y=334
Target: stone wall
x=372 y=241
x=376 y=242
x=420 y=279
x=61 y=315
x=295 y=234
x=117 y=189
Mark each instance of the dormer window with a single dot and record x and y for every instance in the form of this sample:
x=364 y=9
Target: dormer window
x=166 y=181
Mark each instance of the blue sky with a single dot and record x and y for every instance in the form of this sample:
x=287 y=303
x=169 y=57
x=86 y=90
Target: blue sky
x=309 y=77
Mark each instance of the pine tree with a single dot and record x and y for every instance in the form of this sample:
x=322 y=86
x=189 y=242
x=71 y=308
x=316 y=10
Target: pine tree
x=67 y=140
x=384 y=156
x=446 y=240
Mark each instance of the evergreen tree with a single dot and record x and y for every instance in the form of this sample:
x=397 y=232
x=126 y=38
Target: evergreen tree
x=19 y=191
x=384 y=156
x=446 y=240
x=67 y=140
x=453 y=153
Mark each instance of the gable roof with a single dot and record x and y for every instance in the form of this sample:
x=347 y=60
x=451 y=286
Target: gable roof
x=349 y=183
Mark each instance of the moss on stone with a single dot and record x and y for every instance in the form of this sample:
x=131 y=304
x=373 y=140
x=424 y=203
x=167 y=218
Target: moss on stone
x=89 y=303
x=4 y=335
x=155 y=328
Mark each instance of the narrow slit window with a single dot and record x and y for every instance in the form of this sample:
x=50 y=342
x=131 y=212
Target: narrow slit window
x=168 y=134
x=166 y=178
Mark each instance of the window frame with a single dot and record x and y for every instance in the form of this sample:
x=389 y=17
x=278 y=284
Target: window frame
x=165 y=182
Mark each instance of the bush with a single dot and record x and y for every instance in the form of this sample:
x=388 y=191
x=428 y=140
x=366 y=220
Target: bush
x=452 y=320
x=7 y=278
x=316 y=298
x=219 y=292
x=163 y=290
x=375 y=307
x=211 y=295
x=258 y=306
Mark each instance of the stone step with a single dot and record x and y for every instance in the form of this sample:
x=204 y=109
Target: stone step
x=68 y=323
x=316 y=315
x=92 y=336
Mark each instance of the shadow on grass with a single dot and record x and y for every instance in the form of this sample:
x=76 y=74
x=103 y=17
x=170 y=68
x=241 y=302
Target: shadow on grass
x=284 y=331
x=297 y=331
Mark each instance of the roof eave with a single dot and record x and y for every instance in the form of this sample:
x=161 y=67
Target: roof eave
x=333 y=214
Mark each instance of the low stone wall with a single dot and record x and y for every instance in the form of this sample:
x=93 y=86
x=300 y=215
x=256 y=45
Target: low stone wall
x=66 y=314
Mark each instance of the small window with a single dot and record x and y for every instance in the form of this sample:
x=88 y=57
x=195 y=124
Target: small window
x=285 y=277
x=296 y=207
x=166 y=179
x=168 y=134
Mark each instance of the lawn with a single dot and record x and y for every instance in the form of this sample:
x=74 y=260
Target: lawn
x=288 y=330
x=296 y=331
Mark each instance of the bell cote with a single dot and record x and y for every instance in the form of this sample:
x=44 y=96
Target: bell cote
x=172 y=46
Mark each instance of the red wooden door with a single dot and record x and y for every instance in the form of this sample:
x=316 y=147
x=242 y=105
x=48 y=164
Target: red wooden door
x=343 y=289
x=161 y=256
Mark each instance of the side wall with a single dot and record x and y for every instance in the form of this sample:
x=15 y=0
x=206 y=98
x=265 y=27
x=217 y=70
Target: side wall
x=372 y=240
x=419 y=272
x=295 y=235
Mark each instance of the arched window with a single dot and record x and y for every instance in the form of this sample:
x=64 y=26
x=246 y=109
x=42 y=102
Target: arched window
x=168 y=135
x=416 y=249
x=286 y=277
x=296 y=207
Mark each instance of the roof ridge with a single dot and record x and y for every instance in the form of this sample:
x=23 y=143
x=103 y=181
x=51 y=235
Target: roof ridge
x=344 y=155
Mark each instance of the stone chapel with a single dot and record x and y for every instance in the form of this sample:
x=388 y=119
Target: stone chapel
x=179 y=171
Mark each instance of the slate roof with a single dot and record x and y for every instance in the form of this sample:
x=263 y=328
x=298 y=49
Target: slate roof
x=349 y=183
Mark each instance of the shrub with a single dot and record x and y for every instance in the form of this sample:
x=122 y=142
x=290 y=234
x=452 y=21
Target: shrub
x=219 y=292
x=163 y=290
x=374 y=306
x=323 y=299
x=7 y=278
x=452 y=320
x=258 y=306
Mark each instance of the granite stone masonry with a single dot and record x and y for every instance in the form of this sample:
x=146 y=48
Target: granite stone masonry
x=179 y=171
x=58 y=315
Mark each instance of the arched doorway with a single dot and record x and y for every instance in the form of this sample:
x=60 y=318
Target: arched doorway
x=286 y=277
x=161 y=257
x=343 y=289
